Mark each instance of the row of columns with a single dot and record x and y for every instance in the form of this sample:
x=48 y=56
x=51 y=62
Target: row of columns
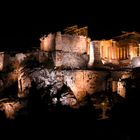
x=114 y=52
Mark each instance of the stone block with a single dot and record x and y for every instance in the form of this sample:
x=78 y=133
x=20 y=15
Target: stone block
x=71 y=43
x=70 y=60
x=47 y=43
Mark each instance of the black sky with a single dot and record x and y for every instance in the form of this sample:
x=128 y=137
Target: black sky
x=23 y=24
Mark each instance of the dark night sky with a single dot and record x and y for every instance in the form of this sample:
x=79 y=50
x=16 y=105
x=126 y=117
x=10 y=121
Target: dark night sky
x=23 y=24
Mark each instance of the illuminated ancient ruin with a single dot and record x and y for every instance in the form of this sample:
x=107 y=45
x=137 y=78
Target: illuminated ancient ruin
x=74 y=61
x=107 y=51
x=77 y=56
x=98 y=53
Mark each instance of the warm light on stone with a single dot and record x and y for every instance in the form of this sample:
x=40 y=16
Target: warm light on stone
x=91 y=55
x=1 y=60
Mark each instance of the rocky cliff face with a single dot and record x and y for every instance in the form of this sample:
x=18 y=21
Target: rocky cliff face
x=81 y=82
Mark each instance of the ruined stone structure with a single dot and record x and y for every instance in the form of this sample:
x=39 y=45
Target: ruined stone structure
x=81 y=82
x=1 y=60
x=71 y=51
x=68 y=51
x=68 y=68
x=47 y=43
x=82 y=49
x=4 y=60
x=24 y=83
x=134 y=50
x=72 y=58
x=77 y=31
x=110 y=51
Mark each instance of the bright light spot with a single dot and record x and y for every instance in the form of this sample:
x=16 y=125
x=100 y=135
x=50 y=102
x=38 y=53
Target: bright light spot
x=91 y=55
x=136 y=62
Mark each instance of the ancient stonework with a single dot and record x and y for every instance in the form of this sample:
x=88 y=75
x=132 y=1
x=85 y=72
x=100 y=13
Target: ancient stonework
x=1 y=60
x=71 y=67
x=24 y=83
x=69 y=51
x=47 y=43
x=81 y=82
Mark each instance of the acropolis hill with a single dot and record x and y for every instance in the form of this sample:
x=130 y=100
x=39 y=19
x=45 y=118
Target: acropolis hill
x=71 y=66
